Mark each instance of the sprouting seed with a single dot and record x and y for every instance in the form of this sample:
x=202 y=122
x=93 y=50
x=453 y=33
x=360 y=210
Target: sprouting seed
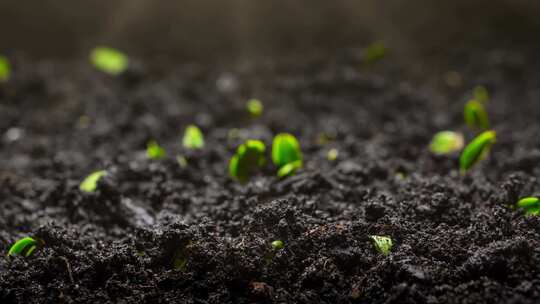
x=5 y=68
x=248 y=157
x=89 y=184
x=332 y=154
x=289 y=169
x=446 y=142
x=481 y=94
x=193 y=138
x=109 y=60
x=374 y=52
x=24 y=247
x=383 y=244
x=531 y=205
x=476 y=150
x=475 y=115
x=182 y=161
x=285 y=150
x=278 y=244
x=254 y=107
x=154 y=150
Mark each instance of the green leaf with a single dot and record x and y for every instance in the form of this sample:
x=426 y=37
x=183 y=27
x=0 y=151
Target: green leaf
x=476 y=150
x=89 y=184
x=481 y=94
x=383 y=244
x=278 y=244
x=475 y=115
x=109 y=60
x=254 y=107
x=446 y=142
x=285 y=150
x=375 y=52
x=332 y=154
x=193 y=138
x=289 y=169
x=24 y=247
x=154 y=150
x=5 y=69
x=249 y=157
x=531 y=205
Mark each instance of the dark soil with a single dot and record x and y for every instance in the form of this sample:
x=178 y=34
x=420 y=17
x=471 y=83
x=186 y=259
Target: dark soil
x=456 y=238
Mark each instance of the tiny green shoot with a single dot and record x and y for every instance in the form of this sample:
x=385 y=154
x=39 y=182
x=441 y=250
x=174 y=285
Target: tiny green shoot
x=109 y=60
x=277 y=245
x=383 y=244
x=248 y=157
x=332 y=154
x=24 y=247
x=531 y=205
x=182 y=161
x=374 y=52
x=285 y=150
x=476 y=150
x=193 y=138
x=481 y=94
x=446 y=142
x=289 y=169
x=89 y=184
x=154 y=150
x=5 y=68
x=475 y=115
x=254 y=107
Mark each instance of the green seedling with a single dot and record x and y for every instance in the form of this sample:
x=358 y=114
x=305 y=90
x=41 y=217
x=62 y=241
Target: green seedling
x=89 y=184
x=446 y=142
x=193 y=138
x=476 y=150
x=5 y=69
x=383 y=244
x=249 y=157
x=154 y=150
x=181 y=256
x=481 y=94
x=374 y=52
x=531 y=205
x=285 y=150
x=254 y=107
x=182 y=161
x=109 y=60
x=289 y=169
x=332 y=154
x=475 y=115
x=278 y=245
x=24 y=247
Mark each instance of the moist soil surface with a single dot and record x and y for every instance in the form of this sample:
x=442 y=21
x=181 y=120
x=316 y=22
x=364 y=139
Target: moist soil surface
x=156 y=231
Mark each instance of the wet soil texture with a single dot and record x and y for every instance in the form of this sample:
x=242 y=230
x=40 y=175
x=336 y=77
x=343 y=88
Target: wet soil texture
x=156 y=231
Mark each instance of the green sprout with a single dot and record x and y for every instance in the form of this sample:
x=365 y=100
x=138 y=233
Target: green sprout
x=332 y=154
x=254 y=107
x=285 y=150
x=89 y=184
x=277 y=245
x=5 y=69
x=154 y=150
x=475 y=115
x=374 y=52
x=109 y=60
x=249 y=156
x=481 y=94
x=531 y=205
x=289 y=169
x=24 y=247
x=193 y=138
x=446 y=142
x=182 y=161
x=476 y=150
x=383 y=244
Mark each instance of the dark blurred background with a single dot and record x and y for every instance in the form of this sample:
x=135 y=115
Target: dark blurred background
x=217 y=29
